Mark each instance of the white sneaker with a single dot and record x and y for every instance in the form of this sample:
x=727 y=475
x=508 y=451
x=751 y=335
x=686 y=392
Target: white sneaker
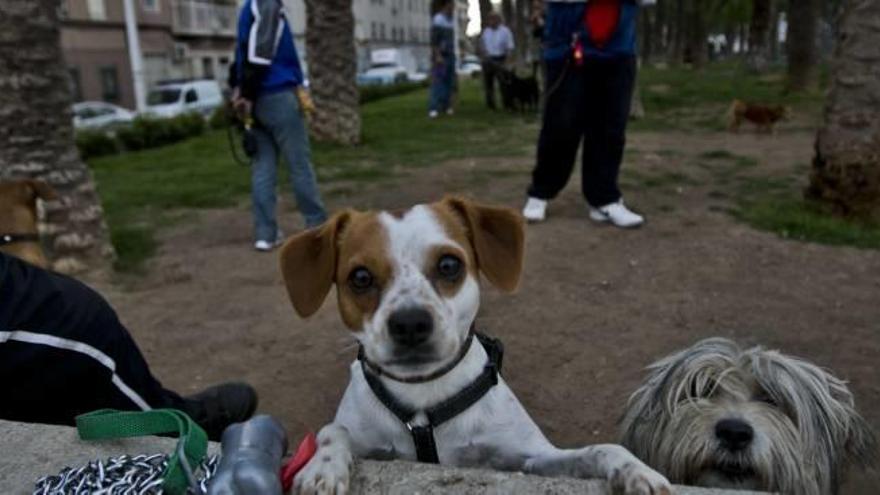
x=450 y=111
x=618 y=215
x=433 y=114
x=264 y=246
x=535 y=210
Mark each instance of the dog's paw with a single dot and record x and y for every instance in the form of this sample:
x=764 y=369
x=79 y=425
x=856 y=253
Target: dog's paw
x=635 y=478
x=329 y=471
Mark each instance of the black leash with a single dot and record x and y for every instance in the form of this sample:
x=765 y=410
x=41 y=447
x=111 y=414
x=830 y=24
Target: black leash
x=15 y=238
x=423 y=436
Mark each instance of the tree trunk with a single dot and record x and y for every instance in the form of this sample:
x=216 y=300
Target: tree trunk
x=801 y=44
x=332 y=71
x=678 y=38
x=507 y=10
x=37 y=134
x=646 y=34
x=846 y=168
x=485 y=10
x=660 y=43
x=758 y=58
x=521 y=30
x=698 y=35
x=774 y=33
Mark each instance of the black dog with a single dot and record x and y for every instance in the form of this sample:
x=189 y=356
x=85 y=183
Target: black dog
x=519 y=93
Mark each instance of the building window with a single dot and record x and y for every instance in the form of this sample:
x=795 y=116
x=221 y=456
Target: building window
x=374 y=31
x=150 y=5
x=382 y=31
x=97 y=10
x=207 y=67
x=109 y=83
x=75 y=84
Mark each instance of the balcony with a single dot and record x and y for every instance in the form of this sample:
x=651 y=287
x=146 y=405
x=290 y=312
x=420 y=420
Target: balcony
x=204 y=18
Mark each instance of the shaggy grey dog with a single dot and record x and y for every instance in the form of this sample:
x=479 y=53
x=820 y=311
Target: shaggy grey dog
x=719 y=416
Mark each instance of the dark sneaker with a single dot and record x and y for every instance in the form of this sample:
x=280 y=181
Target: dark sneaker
x=219 y=406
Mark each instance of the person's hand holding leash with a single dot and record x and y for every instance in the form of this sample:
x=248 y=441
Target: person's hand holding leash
x=306 y=103
x=241 y=105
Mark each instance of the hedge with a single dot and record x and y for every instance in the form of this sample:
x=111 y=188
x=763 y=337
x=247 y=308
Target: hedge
x=143 y=133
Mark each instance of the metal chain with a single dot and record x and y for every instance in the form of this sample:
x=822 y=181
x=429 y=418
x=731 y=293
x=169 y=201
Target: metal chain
x=129 y=475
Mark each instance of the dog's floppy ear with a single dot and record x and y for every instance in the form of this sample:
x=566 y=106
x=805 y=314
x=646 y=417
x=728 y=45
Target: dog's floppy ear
x=308 y=264
x=41 y=189
x=497 y=235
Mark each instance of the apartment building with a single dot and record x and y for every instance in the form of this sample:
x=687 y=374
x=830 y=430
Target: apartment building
x=178 y=38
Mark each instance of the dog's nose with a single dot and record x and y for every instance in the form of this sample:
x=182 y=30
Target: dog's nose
x=734 y=434
x=410 y=327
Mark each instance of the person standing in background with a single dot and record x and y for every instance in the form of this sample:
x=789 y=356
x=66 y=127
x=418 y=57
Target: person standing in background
x=443 y=59
x=497 y=45
x=589 y=51
x=269 y=86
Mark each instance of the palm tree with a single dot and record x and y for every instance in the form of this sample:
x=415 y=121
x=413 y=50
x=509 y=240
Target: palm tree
x=846 y=168
x=332 y=70
x=37 y=133
x=800 y=44
x=759 y=29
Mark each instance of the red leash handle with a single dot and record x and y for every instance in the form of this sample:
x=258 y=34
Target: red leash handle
x=304 y=453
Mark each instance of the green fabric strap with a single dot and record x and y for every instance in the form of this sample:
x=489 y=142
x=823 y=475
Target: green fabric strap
x=106 y=424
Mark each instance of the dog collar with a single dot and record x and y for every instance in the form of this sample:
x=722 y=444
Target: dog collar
x=423 y=435
x=14 y=238
x=377 y=370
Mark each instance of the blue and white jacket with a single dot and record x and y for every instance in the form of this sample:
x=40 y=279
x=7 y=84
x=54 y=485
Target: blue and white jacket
x=564 y=18
x=265 y=55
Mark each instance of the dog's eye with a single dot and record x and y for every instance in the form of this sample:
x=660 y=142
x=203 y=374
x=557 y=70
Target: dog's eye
x=449 y=267
x=360 y=279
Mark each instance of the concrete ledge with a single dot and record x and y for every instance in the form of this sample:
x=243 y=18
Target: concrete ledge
x=29 y=451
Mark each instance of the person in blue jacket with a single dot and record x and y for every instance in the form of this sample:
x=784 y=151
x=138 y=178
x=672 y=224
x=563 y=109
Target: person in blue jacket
x=589 y=51
x=268 y=85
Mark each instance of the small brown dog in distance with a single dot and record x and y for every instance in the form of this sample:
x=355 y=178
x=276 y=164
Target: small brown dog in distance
x=764 y=117
x=18 y=219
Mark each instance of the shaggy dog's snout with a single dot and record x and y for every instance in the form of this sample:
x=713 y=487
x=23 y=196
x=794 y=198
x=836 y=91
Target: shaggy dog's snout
x=410 y=327
x=734 y=434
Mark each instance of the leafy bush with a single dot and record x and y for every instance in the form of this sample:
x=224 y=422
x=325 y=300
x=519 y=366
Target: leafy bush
x=95 y=143
x=374 y=93
x=151 y=132
x=189 y=124
x=219 y=119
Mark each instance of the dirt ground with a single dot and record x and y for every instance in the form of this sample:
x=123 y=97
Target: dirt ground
x=595 y=307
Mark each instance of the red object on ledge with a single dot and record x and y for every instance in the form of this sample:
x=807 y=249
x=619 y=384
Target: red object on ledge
x=304 y=453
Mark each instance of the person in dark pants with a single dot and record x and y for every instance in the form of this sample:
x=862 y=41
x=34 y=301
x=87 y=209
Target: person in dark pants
x=589 y=56
x=63 y=352
x=497 y=45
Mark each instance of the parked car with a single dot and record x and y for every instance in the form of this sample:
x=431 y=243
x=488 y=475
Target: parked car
x=470 y=66
x=99 y=114
x=173 y=98
x=383 y=74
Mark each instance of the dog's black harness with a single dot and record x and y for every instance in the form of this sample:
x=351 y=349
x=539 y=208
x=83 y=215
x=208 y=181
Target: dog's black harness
x=423 y=436
x=15 y=238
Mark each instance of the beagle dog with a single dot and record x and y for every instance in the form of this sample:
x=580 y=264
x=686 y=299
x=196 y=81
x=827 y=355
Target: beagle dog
x=18 y=219
x=424 y=388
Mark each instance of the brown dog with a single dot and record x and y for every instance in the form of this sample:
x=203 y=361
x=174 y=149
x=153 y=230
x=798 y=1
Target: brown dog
x=764 y=117
x=18 y=219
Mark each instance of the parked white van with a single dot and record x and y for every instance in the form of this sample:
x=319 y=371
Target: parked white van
x=172 y=98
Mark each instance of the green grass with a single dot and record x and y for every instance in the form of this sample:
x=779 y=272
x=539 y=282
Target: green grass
x=776 y=204
x=685 y=99
x=140 y=189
